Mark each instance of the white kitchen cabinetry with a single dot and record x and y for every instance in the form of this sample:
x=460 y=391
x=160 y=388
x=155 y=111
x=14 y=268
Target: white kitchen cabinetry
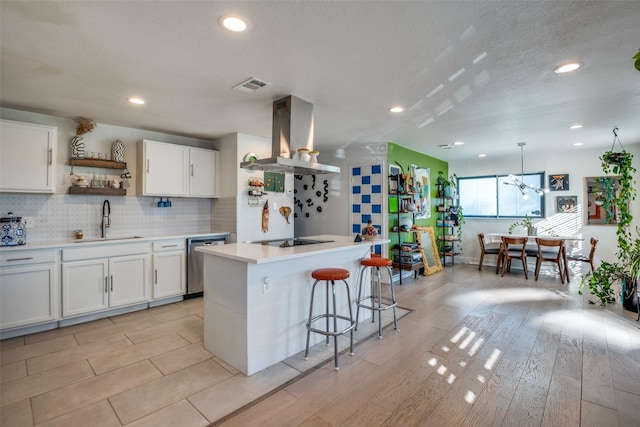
x=203 y=172
x=169 y=268
x=27 y=157
x=29 y=288
x=176 y=170
x=97 y=278
x=163 y=168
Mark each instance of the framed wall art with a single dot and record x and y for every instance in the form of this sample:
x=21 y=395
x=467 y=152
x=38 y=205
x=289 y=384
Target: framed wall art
x=600 y=200
x=559 y=182
x=566 y=204
x=423 y=187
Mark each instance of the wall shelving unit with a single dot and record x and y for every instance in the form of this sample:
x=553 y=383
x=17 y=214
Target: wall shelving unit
x=400 y=208
x=446 y=224
x=98 y=163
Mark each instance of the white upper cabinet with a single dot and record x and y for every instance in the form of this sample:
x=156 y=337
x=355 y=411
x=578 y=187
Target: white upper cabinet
x=27 y=157
x=203 y=172
x=176 y=170
x=163 y=168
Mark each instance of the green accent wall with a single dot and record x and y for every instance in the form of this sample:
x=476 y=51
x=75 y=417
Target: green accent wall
x=406 y=157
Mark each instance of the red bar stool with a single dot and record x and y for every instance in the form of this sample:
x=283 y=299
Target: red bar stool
x=377 y=301
x=330 y=275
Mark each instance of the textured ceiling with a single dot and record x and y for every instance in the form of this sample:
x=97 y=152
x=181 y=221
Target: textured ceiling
x=480 y=72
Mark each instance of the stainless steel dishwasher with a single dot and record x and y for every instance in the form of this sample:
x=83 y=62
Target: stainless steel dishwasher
x=194 y=262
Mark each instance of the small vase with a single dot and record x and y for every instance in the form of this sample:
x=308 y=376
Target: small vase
x=117 y=151
x=77 y=148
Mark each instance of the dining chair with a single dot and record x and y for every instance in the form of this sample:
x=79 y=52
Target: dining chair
x=509 y=253
x=484 y=250
x=550 y=250
x=583 y=258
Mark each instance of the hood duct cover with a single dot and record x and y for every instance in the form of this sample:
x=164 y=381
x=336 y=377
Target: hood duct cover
x=292 y=129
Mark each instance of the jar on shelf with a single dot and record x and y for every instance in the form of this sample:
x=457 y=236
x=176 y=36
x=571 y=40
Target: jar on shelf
x=303 y=154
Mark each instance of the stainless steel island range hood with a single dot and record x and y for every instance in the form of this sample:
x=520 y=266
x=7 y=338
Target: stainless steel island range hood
x=292 y=129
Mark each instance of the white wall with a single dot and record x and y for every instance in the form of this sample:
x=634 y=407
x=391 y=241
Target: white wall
x=578 y=163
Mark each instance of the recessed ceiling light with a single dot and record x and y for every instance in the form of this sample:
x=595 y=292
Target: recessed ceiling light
x=396 y=109
x=567 y=68
x=458 y=143
x=482 y=155
x=576 y=126
x=577 y=144
x=138 y=101
x=233 y=23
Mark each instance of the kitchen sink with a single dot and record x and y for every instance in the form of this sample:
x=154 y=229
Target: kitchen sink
x=108 y=239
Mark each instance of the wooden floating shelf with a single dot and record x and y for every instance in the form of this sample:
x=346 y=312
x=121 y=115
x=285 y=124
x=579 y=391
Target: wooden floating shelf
x=98 y=163
x=102 y=191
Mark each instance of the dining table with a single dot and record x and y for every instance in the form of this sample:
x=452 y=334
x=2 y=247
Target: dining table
x=531 y=240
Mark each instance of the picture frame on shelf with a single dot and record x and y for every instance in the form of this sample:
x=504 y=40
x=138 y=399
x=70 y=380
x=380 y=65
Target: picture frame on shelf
x=394 y=178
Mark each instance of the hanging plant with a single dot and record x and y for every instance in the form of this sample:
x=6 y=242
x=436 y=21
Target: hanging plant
x=621 y=164
x=604 y=282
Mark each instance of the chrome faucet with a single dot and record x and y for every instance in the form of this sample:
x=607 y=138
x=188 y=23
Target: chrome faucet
x=106 y=218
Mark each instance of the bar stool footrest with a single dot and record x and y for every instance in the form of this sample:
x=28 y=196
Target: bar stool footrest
x=384 y=305
x=330 y=333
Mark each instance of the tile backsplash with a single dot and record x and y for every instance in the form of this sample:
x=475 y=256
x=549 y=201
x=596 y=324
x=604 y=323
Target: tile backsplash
x=55 y=217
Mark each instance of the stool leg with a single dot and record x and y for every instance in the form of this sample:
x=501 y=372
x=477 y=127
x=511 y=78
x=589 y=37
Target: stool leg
x=327 y=310
x=313 y=289
x=379 y=287
x=335 y=326
x=393 y=298
x=350 y=316
x=372 y=298
x=360 y=277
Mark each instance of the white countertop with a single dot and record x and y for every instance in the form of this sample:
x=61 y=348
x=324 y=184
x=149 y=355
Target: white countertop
x=259 y=254
x=44 y=244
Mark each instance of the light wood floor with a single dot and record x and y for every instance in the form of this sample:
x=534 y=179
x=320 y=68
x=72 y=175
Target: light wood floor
x=477 y=350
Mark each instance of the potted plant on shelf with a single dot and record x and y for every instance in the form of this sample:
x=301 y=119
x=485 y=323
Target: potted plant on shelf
x=459 y=222
x=441 y=183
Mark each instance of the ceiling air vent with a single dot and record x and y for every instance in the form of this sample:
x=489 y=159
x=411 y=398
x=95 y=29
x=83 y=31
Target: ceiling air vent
x=251 y=85
x=445 y=146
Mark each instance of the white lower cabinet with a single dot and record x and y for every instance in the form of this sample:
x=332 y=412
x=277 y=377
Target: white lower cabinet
x=101 y=283
x=29 y=288
x=169 y=268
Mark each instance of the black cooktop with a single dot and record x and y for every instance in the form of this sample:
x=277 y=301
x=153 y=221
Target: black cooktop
x=286 y=243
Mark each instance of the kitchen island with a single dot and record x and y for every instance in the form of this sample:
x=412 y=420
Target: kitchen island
x=256 y=297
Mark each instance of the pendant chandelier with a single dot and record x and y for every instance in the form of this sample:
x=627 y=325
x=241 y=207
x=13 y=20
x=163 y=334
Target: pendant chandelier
x=519 y=182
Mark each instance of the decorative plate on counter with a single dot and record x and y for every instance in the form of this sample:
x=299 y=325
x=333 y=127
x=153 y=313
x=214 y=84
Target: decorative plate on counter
x=251 y=157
